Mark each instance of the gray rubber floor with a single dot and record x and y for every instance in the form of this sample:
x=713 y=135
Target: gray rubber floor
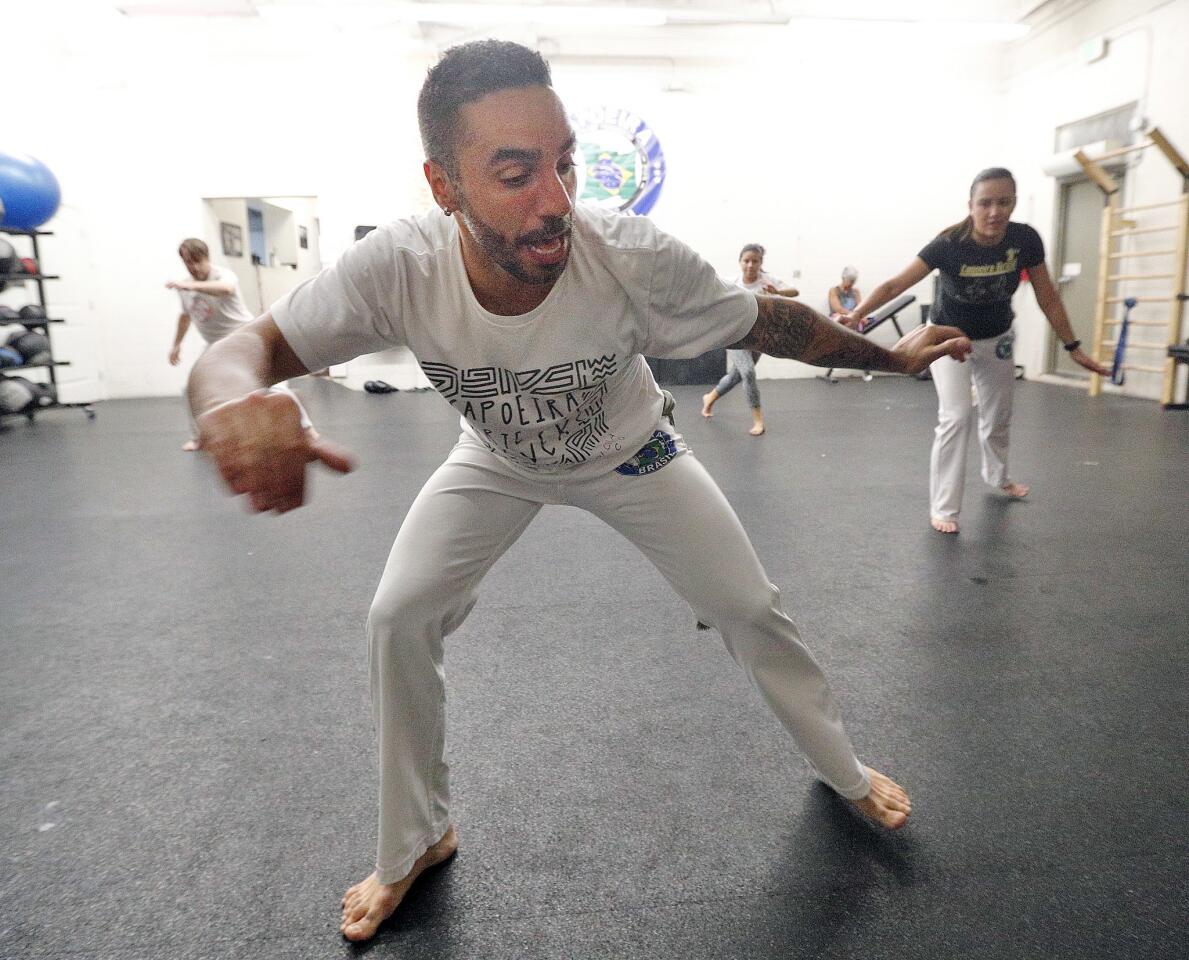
x=187 y=761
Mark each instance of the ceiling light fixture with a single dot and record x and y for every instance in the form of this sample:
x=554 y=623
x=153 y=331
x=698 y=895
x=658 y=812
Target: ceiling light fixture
x=502 y=14
x=943 y=29
x=376 y=13
x=508 y=13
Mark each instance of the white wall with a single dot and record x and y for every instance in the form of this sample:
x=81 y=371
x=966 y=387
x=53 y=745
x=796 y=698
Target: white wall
x=262 y=285
x=141 y=120
x=828 y=149
x=233 y=211
x=283 y=216
x=1048 y=84
x=825 y=165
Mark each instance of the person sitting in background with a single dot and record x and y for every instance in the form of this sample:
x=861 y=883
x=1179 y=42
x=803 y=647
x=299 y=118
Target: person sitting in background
x=845 y=297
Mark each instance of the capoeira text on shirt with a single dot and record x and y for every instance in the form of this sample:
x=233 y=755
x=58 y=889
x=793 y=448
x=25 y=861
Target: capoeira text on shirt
x=545 y=416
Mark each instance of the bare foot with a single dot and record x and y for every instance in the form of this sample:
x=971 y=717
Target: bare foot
x=368 y=904
x=707 y=403
x=887 y=804
x=1017 y=491
x=190 y=446
x=757 y=430
x=944 y=526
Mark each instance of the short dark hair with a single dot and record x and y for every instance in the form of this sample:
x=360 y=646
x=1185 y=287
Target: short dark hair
x=464 y=74
x=194 y=248
x=752 y=248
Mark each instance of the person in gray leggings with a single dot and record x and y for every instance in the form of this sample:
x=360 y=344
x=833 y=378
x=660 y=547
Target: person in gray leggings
x=741 y=364
x=531 y=315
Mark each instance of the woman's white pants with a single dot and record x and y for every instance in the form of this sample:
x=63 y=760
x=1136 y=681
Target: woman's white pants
x=991 y=369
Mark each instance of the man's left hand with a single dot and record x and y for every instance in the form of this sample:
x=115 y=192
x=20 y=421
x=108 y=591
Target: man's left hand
x=930 y=342
x=179 y=285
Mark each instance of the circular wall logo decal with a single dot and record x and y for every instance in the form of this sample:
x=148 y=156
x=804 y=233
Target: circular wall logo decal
x=622 y=166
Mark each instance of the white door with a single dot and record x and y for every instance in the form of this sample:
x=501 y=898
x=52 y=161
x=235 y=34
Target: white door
x=1076 y=266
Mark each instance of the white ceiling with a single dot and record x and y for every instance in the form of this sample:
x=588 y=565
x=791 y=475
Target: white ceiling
x=714 y=11
x=695 y=29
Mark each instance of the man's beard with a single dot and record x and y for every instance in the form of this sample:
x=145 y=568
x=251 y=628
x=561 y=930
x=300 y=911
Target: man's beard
x=506 y=253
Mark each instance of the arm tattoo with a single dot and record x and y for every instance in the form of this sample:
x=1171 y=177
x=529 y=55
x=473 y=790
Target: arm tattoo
x=786 y=328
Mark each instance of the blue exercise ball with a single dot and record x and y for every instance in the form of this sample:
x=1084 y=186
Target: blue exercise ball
x=29 y=193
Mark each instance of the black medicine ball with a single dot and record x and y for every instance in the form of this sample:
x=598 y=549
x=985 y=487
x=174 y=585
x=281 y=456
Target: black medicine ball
x=34 y=347
x=15 y=394
x=18 y=394
x=9 y=261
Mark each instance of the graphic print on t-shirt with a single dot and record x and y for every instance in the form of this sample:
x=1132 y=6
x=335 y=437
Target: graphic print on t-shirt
x=976 y=281
x=199 y=309
x=988 y=282
x=548 y=415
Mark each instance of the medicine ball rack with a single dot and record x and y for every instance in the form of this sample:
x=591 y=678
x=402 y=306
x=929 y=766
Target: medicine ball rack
x=43 y=324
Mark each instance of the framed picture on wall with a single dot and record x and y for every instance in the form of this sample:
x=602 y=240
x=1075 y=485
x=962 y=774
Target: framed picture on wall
x=233 y=239
x=303 y=237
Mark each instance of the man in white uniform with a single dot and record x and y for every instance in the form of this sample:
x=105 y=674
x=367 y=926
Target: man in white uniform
x=212 y=302
x=531 y=317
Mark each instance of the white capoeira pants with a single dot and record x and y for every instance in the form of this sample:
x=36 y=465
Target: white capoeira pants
x=469 y=512
x=991 y=368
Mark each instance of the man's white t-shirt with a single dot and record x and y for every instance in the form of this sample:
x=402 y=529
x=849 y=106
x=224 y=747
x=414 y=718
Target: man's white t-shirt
x=216 y=317
x=563 y=389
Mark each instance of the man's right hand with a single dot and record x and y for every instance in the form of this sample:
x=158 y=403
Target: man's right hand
x=175 y=355
x=928 y=342
x=261 y=450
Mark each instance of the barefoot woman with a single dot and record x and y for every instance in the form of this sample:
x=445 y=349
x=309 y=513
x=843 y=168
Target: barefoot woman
x=741 y=364
x=980 y=261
